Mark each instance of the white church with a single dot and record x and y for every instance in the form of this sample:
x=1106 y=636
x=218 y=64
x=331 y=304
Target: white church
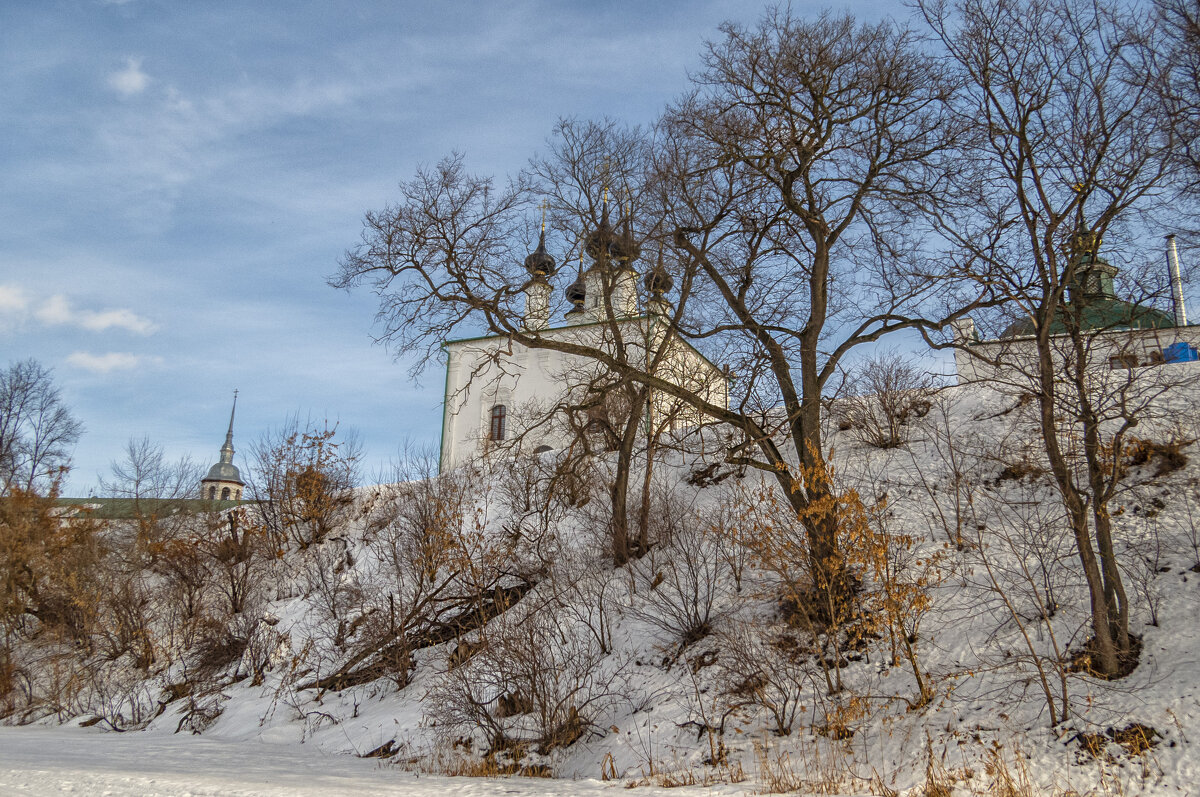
x=503 y=396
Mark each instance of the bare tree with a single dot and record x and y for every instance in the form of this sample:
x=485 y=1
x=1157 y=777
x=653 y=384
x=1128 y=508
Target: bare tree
x=154 y=486
x=804 y=159
x=1068 y=145
x=1181 y=92
x=889 y=391
x=37 y=431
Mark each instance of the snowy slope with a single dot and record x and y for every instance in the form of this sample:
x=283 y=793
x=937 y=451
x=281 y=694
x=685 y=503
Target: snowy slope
x=655 y=706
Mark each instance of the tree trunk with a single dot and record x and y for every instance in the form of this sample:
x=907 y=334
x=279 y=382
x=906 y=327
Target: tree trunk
x=620 y=487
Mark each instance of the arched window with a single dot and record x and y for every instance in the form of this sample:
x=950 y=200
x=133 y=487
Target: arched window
x=499 y=417
x=225 y=494
x=212 y=493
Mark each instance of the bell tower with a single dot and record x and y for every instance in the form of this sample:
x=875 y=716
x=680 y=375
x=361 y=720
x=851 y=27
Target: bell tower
x=223 y=481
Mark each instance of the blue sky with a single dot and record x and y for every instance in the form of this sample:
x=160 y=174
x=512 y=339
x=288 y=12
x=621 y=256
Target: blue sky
x=179 y=179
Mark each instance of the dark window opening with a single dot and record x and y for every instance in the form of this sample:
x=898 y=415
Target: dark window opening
x=212 y=493
x=499 y=416
x=225 y=494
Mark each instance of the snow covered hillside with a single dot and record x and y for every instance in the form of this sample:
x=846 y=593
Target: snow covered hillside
x=474 y=624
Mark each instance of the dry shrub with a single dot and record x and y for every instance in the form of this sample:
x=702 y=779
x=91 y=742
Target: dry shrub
x=126 y=624
x=532 y=511
x=1168 y=456
x=676 y=778
x=434 y=571
x=769 y=669
x=810 y=767
x=217 y=646
x=1135 y=738
x=588 y=594
x=1003 y=781
x=1019 y=471
x=688 y=588
x=531 y=683
x=886 y=584
x=303 y=478
x=333 y=588
x=49 y=568
x=888 y=392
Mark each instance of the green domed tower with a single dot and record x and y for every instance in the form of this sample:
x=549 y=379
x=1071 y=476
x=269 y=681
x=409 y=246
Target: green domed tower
x=1092 y=295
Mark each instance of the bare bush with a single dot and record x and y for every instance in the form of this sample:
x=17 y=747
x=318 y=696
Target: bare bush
x=888 y=392
x=1020 y=556
x=771 y=669
x=433 y=571
x=688 y=588
x=333 y=588
x=530 y=682
x=587 y=594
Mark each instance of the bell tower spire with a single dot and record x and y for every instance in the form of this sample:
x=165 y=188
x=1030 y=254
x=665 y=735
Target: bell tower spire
x=224 y=481
x=227 y=449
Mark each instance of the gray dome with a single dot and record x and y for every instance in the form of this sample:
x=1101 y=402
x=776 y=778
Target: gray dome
x=224 y=472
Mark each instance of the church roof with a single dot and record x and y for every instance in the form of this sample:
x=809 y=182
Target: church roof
x=224 y=472
x=1093 y=302
x=1098 y=315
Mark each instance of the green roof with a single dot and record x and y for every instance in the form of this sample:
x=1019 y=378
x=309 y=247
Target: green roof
x=1098 y=315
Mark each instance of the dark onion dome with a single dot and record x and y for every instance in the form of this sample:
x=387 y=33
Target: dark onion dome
x=577 y=291
x=599 y=242
x=623 y=248
x=658 y=281
x=540 y=263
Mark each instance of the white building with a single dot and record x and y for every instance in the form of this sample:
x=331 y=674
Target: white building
x=1120 y=336
x=503 y=395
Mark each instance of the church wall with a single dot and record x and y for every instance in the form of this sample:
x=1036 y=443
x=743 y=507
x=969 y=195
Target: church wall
x=529 y=382
x=1114 y=349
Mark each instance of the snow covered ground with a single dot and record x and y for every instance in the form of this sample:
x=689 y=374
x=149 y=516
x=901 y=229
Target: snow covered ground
x=65 y=760
x=1007 y=610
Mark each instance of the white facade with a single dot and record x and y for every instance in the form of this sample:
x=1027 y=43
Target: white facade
x=502 y=395
x=1115 y=349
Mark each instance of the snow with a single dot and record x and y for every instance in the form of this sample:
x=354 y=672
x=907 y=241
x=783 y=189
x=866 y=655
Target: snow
x=66 y=760
x=272 y=737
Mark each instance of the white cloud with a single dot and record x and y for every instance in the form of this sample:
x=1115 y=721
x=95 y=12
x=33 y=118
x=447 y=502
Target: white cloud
x=57 y=310
x=14 y=306
x=13 y=300
x=130 y=80
x=111 y=361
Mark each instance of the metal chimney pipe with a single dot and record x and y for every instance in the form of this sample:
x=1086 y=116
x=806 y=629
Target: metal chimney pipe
x=1176 y=282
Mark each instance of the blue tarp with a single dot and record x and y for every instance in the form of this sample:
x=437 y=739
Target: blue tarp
x=1180 y=352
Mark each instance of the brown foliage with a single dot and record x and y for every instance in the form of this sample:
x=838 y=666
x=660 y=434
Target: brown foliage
x=303 y=479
